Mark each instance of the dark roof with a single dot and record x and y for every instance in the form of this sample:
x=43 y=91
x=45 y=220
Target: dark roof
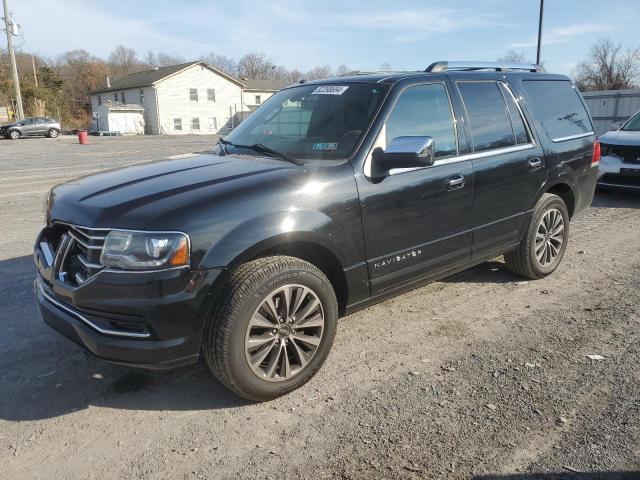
x=149 y=77
x=264 y=85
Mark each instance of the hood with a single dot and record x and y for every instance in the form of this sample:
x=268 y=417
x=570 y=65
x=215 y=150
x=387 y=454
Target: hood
x=621 y=137
x=149 y=194
x=12 y=124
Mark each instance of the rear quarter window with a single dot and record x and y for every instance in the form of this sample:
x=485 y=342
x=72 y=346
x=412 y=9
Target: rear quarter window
x=558 y=106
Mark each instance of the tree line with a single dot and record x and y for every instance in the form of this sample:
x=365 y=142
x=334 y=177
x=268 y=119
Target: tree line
x=60 y=86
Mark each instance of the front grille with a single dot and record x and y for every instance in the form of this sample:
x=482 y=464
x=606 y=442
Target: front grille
x=77 y=252
x=627 y=153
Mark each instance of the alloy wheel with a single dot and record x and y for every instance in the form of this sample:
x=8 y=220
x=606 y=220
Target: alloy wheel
x=284 y=333
x=549 y=237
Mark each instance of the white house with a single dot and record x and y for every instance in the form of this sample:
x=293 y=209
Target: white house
x=191 y=98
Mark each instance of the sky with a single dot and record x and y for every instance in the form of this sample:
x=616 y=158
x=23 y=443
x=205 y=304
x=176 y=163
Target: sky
x=363 y=34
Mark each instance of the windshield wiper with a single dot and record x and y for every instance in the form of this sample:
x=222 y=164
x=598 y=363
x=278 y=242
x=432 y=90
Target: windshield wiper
x=260 y=148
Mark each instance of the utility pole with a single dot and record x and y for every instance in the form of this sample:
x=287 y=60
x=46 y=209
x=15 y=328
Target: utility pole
x=35 y=75
x=540 y=31
x=12 y=58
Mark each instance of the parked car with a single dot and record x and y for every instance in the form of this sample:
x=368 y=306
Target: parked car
x=32 y=127
x=331 y=196
x=620 y=164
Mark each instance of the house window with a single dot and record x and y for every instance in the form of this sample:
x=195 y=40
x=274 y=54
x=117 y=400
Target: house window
x=115 y=97
x=195 y=123
x=258 y=100
x=124 y=100
x=193 y=94
x=177 y=124
x=211 y=94
x=141 y=96
x=213 y=124
x=99 y=99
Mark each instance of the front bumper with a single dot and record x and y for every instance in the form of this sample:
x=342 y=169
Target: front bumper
x=614 y=173
x=146 y=319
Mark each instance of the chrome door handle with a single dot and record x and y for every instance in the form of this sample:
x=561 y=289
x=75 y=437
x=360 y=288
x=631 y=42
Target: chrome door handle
x=454 y=182
x=535 y=163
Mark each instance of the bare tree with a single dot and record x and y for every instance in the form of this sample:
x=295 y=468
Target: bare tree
x=385 y=67
x=513 y=56
x=608 y=67
x=319 y=72
x=151 y=59
x=123 y=61
x=255 y=65
x=342 y=70
x=295 y=76
x=225 y=64
x=165 y=60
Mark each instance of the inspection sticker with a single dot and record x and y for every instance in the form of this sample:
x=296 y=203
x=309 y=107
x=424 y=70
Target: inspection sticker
x=325 y=146
x=330 y=90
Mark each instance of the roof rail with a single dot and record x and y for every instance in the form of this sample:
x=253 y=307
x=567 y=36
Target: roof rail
x=374 y=72
x=471 y=66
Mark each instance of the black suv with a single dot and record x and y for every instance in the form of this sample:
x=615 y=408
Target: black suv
x=333 y=195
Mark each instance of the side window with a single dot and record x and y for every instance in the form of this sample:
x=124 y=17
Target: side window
x=424 y=110
x=177 y=124
x=519 y=129
x=557 y=104
x=141 y=92
x=488 y=115
x=124 y=99
x=193 y=94
x=211 y=95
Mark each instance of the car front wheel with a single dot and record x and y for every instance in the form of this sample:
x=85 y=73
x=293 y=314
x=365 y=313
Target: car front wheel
x=14 y=134
x=272 y=327
x=53 y=133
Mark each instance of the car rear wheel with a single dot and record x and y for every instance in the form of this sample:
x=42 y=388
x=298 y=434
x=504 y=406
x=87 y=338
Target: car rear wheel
x=13 y=134
x=541 y=251
x=272 y=327
x=53 y=133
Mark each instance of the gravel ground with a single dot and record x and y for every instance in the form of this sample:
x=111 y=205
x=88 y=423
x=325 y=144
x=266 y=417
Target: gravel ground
x=480 y=376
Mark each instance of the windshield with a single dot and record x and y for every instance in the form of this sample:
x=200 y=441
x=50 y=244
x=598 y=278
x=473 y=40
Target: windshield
x=633 y=125
x=311 y=121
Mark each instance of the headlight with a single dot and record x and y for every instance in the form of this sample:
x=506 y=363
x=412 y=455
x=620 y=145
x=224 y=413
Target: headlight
x=145 y=250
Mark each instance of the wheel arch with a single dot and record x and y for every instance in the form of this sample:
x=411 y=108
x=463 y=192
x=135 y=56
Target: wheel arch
x=305 y=247
x=564 y=191
x=561 y=188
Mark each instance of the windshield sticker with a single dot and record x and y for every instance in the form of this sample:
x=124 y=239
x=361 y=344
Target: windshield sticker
x=325 y=146
x=330 y=90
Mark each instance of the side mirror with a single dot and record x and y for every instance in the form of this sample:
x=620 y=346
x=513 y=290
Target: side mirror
x=406 y=152
x=615 y=125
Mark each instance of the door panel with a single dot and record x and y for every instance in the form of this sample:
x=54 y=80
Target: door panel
x=508 y=164
x=414 y=223
x=505 y=185
x=418 y=221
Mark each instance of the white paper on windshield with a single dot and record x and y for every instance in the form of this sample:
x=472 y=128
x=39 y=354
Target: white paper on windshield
x=330 y=90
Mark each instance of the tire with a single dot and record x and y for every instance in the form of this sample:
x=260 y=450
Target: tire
x=13 y=135
x=53 y=133
x=236 y=321
x=525 y=260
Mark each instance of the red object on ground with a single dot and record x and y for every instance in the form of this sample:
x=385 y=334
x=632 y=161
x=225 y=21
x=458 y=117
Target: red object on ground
x=83 y=137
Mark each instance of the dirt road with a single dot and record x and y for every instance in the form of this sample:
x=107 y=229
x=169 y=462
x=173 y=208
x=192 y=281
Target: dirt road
x=476 y=376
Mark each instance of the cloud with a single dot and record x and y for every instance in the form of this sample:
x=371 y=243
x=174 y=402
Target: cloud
x=564 y=34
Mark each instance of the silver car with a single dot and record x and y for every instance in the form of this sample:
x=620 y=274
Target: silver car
x=620 y=163
x=32 y=127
